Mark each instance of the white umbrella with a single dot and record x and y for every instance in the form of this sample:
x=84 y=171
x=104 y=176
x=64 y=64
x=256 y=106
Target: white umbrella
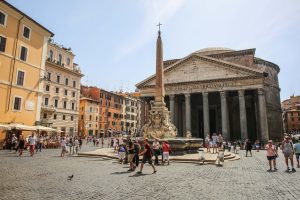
x=22 y=127
x=4 y=127
x=44 y=128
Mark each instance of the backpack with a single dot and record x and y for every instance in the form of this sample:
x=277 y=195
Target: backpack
x=288 y=148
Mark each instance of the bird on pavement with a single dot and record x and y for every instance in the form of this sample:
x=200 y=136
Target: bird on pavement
x=70 y=177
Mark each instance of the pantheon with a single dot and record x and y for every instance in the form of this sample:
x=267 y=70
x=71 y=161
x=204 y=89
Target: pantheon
x=220 y=90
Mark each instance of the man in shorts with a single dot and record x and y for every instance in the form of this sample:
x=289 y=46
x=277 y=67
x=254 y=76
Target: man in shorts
x=147 y=156
x=297 y=152
x=288 y=152
x=130 y=155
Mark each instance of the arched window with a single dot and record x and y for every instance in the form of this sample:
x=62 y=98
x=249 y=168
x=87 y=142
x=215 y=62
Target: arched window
x=59 y=59
x=51 y=55
x=68 y=61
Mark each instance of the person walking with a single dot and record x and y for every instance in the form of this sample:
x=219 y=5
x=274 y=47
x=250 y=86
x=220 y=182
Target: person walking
x=288 y=152
x=248 y=147
x=257 y=145
x=297 y=151
x=63 y=145
x=14 y=142
x=166 y=152
x=156 y=150
x=271 y=155
x=137 y=148
x=21 y=145
x=215 y=142
x=39 y=143
x=130 y=150
x=76 y=145
x=147 y=156
x=32 y=143
x=102 y=142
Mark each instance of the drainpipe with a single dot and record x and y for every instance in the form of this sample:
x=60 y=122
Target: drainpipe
x=13 y=65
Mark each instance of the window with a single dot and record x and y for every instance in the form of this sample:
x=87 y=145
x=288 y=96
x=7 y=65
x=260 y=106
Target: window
x=59 y=59
x=74 y=84
x=73 y=94
x=65 y=104
x=2 y=43
x=91 y=109
x=54 y=116
x=23 y=55
x=56 y=90
x=17 y=103
x=56 y=103
x=26 y=32
x=47 y=88
x=96 y=118
x=72 y=118
x=58 y=78
x=46 y=102
x=81 y=116
x=64 y=117
x=66 y=92
x=2 y=18
x=49 y=76
x=51 y=55
x=66 y=81
x=20 y=78
x=68 y=61
x=90 y=117
x=73 y=106
x=45 y=116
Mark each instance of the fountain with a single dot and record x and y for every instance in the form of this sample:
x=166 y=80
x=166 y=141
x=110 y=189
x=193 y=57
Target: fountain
x=159 y=125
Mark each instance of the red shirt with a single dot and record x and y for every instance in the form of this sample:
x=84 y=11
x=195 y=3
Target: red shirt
x=166 y=147
x=148 y=150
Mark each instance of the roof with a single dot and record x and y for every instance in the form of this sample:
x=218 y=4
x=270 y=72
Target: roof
x=17 y=10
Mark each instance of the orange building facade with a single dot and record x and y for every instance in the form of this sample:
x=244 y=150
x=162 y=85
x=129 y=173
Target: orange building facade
x=291 y=114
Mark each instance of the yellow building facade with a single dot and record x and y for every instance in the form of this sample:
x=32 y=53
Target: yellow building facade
x=23 y=49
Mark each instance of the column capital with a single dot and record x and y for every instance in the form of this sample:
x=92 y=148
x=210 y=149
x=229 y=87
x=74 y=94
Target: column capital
x=260 y=91
x=172 y=96
x=241 y=93
x=187 y=95
x=205 y=94
x=223 y=94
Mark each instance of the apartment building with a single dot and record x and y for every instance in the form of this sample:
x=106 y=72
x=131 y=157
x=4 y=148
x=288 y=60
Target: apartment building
x=23 y=50
x=61 y=90
x=291 y=114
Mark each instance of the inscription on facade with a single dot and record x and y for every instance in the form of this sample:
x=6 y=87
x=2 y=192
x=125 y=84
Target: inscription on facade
x=200 y=86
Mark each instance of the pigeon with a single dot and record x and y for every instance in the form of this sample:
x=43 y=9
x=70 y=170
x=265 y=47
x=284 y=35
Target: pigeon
x=70 y=177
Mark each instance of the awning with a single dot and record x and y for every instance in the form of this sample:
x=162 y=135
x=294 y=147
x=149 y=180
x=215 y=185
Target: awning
x=5 y=127
x=44 y=128
x=22 y=127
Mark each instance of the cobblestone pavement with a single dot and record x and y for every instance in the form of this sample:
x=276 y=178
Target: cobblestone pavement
x=45 y=177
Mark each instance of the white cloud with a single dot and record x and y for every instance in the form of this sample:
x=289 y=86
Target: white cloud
x=154 y=11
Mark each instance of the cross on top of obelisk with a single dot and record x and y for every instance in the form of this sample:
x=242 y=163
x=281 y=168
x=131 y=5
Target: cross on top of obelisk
x=159 y=24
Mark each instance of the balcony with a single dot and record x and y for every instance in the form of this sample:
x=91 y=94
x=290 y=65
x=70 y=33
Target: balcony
x=48 y=109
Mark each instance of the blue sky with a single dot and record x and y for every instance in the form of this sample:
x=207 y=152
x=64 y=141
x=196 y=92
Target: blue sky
x=114 y=40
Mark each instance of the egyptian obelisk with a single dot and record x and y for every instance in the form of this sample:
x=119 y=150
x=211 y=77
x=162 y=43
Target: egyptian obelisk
x=159 y=125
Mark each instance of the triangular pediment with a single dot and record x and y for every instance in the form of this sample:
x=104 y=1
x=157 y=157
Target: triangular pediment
x=196 y=68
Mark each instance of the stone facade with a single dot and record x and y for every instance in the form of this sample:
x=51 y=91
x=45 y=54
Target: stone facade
x=291 y=114
x=221 y=90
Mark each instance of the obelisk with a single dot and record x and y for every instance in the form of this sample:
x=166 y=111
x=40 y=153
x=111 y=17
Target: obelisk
x=159 y=86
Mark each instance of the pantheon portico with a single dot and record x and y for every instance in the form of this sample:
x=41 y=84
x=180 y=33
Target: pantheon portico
x=219 y=90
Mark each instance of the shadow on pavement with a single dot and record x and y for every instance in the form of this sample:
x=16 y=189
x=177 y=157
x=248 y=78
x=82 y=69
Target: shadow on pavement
x=119 y=173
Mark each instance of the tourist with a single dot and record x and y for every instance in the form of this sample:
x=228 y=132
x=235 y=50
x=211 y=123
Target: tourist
x=14 y=142
x=21 y=145
x=94 y=141
x=220 y=141
x=257 y=145
x=248 y=147
x=122 y=152
x=80 y=142
x=297 y=151
x=288 y=152
x=76 y=145
x=102 y=141
x=39 y=143
x=156 y=150
x=63 y=144
x=130 y=150
x=147 y=156
x=214 y=142
x=137 y=148
x=70 y=144
x=207 y=143
x=166 y=152
x=271 y=155
x=32 y=143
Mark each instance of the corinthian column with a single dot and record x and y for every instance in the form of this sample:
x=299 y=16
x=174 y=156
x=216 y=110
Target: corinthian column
x=263 y=116
x=188 y=112
x=243 y=117
x=172 y=106
x=224 y=114
x=205 y=113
